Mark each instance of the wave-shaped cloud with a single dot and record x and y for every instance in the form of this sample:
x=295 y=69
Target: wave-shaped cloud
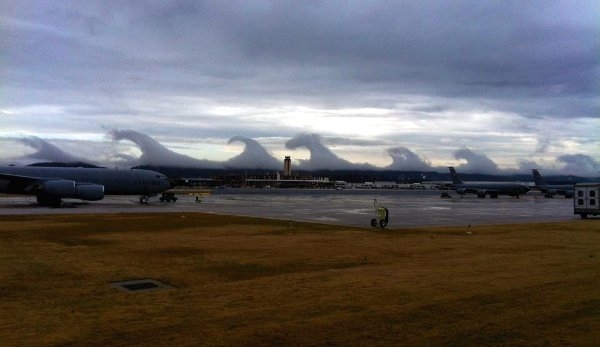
x=321 y=158
x=476 y=162
x=579 y=165
x=406 y=160
x=155 y=154
x=254 y=156
x=45 y=151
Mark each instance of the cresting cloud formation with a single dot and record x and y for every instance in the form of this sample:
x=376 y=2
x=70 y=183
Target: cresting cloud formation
x=321 y=158
x=155 y=154
x=255 y=156
x=407 y=160
x=476 y=162
x=47 y=151
x=44 y=152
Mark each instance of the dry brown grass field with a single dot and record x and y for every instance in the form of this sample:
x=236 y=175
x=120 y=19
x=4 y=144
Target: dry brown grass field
x=249 y=281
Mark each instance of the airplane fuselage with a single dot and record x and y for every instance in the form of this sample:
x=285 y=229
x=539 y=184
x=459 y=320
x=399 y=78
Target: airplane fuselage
x=491 y=188
x=551 y=189
x=37 y=180
x=556 y=189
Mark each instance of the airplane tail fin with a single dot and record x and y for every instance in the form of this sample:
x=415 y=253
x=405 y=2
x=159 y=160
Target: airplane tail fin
x=537 y=178
x=455 y=179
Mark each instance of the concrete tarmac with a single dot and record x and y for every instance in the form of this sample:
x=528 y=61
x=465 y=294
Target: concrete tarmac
x=352 y=208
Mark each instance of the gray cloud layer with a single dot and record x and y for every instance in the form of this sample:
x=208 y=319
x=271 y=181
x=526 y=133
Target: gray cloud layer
x=512 y=79
x=501 y=51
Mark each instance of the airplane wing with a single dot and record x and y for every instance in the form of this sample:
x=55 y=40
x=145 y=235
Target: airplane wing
x=53 y=187
x=20 y=184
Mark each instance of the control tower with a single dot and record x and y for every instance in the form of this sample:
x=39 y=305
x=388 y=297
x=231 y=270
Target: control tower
x=287 y=167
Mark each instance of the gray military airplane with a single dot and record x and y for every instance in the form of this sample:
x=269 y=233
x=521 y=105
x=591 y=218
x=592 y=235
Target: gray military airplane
x=493 y=189
x=551 y=189
x=51 y=184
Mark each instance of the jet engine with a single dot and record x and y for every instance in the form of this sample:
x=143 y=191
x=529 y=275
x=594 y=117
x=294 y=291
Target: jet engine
x=89 y=191
x=461 y=191
x=64 y=188
x=72 y=189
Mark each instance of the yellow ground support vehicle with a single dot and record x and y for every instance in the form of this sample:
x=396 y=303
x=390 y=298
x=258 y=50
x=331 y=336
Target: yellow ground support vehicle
x=381 y=216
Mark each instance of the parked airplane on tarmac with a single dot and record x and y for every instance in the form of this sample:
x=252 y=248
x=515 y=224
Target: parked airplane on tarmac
x=51 y=184
x=493 y=189
x=551 y=189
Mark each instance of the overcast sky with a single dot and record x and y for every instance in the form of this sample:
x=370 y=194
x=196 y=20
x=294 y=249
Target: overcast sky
x=482 y=85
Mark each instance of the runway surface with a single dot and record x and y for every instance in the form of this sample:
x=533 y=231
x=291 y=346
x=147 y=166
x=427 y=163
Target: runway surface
x=346 y=207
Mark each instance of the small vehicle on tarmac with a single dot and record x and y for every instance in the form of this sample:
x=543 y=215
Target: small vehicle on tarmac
x=381 y=216
x=168 y=197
